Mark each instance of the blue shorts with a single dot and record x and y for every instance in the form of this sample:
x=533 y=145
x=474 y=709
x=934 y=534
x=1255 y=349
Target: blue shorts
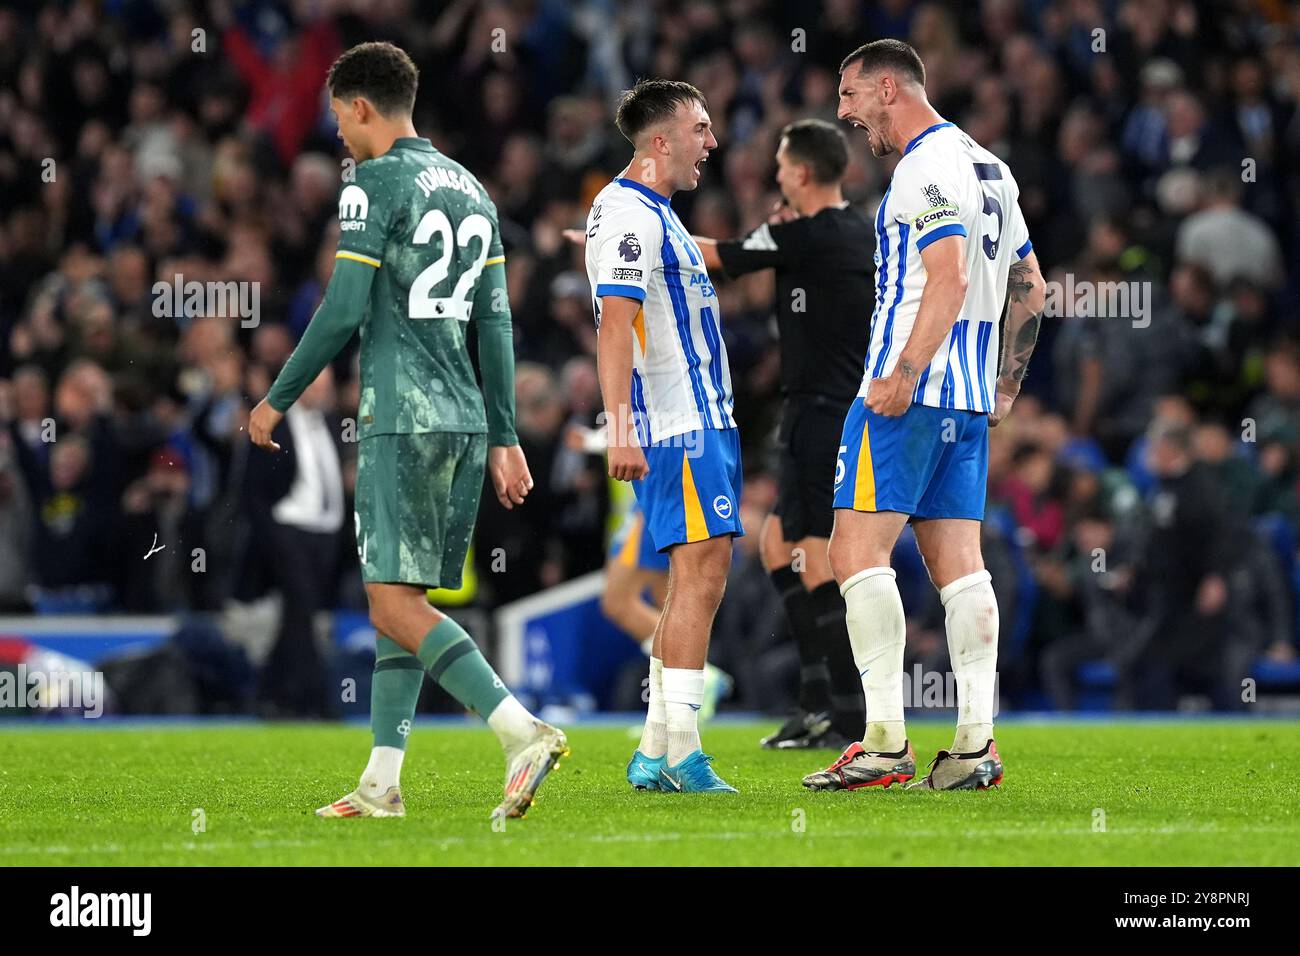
x=633 y=547
x=927 y=462
x=693 y=489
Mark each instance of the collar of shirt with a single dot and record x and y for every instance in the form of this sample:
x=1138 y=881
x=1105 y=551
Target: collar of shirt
x=633 y=184
x=412 y=142
x=923 y=134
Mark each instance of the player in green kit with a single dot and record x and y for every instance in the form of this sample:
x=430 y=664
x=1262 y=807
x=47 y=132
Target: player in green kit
x=419 y=258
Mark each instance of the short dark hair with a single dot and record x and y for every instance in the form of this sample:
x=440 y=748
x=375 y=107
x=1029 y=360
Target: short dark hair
x=888 y=55
x=380 y=72
x=650 y=102
x=821 y=146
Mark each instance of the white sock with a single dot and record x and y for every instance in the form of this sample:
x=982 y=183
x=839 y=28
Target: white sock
x=683 y=697
x=515 y=727
x=654 y=736
x=971 y=617
x=382 y=772
x=877 y=631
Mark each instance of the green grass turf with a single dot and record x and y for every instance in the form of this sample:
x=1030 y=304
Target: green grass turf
x=1171 y=793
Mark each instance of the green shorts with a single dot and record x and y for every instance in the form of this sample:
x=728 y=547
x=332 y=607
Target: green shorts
x=417 y=499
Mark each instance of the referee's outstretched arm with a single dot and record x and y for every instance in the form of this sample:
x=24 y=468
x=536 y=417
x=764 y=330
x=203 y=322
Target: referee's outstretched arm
x=709 y=248
x=775 y=244
x=761 y=249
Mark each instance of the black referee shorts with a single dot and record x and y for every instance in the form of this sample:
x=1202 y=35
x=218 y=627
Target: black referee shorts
x=807 y=445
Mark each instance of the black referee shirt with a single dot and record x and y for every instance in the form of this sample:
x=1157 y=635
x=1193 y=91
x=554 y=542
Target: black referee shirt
x=825 y=293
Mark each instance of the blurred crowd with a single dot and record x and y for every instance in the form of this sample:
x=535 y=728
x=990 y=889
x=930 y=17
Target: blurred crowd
x=1143 y=496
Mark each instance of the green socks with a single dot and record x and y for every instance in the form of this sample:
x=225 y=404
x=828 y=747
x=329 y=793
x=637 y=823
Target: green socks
x=453 y=660
x=394 y=693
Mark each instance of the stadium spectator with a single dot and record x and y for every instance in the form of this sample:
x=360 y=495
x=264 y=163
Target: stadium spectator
x=295 y=497
x=1191 y=546
x=284 y=88
x=15 y=532
x=1226 y=239
x=1095 y=576
x=149 y=578
x=1033 y=492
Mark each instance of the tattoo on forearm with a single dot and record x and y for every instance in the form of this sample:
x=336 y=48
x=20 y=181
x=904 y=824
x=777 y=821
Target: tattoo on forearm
x=1019 y=283
x=909 y=371
x=1021 y=347
x=1021 y=328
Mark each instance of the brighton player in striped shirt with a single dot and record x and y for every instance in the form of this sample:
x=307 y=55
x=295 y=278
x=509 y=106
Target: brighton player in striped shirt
x=668 y=401
x=952 y=243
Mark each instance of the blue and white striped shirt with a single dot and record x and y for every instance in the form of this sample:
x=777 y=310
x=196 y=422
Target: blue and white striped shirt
x=946 y=185
x=639 y=249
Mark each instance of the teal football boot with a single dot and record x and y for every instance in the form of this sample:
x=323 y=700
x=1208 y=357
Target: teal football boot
x=693 y=775
x=643 y=771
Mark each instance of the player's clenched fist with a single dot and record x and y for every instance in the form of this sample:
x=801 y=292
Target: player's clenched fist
x=261 y=423
x=627 y=463
x=510 y=475
x=890 y=396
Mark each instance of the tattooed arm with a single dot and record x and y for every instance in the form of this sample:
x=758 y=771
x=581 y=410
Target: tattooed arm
x=1026 y=296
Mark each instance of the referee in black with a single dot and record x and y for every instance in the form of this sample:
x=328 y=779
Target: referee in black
x=822 y=251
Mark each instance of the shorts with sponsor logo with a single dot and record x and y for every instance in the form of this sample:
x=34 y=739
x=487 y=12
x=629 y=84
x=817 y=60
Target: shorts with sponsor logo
x=693 y=489
x=633 y=547
x=927 y=462
x=416 y=502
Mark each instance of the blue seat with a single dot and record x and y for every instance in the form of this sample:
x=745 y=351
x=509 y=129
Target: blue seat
x=1096 y=680
x=1097 y=675
x=1276 y=674
x=82 y=600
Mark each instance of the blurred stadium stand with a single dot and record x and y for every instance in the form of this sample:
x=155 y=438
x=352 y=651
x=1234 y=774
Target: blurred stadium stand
x=134 y=149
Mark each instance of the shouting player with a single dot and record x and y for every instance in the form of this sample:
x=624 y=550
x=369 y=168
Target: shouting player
x=667 y=393
x=952 y=243
x=816 y=243
x=419 y=257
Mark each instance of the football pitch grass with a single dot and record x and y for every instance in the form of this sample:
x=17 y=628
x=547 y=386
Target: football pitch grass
x=1133 y=793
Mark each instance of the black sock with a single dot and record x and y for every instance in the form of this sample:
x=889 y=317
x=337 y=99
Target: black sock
x=849 y=708
x=814 y=676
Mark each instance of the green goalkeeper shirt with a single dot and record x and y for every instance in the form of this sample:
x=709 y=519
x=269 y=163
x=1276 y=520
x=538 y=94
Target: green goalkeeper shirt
x=419 y=257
